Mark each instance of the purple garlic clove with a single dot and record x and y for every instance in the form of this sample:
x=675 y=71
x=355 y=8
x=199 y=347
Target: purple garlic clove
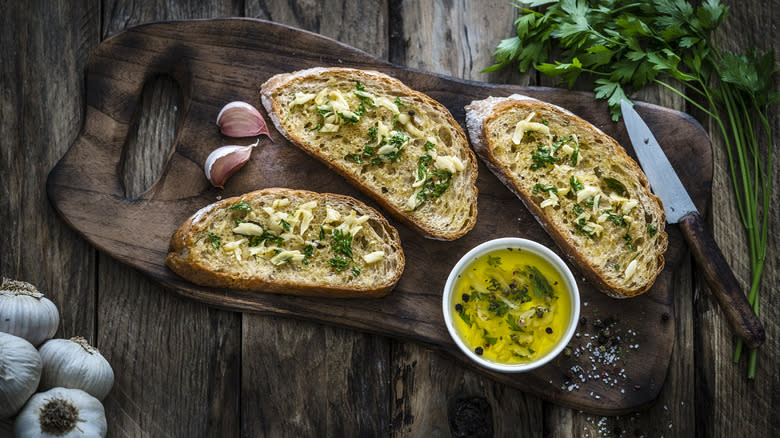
x=240 y=119
x=223 y=162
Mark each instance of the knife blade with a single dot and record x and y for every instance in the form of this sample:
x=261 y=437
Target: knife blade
x=679 y=208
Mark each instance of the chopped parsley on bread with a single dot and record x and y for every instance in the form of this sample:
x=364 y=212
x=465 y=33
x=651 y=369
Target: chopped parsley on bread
x=292 y=242
x=395 y=144
x=579 y=183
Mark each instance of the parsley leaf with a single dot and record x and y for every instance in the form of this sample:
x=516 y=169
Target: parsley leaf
x=498 y=307
x=615 y=185
x=541 y=158
x=616 y=219
x=627 y=239
x=241 y=205
x=576 y=185
x=214 y=239
x=354 y=157
x=539 y=283
x=512 y=323
x=541 y=187
x=342 y=243
x=308 y=251
x=339 y=263
x=651 y=230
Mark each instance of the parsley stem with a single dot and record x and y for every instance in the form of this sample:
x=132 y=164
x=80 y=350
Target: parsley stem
x=687 y=98
x=666 y=43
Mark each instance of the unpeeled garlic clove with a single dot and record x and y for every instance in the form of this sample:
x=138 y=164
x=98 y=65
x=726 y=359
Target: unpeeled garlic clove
x=225 y=161
x=240 y=119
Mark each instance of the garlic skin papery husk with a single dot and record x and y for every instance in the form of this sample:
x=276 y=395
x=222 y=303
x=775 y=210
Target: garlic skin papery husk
x=223 y=162
x=61 y=413
x=20 y=372
x=240 y=119
x=26 y=313
x=73 y=363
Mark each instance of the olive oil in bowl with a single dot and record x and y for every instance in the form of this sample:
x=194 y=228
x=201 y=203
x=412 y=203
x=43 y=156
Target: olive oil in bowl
x=510 y=305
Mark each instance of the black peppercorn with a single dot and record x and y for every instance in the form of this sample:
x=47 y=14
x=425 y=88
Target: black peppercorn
x=411 y=112
x=548 y=330
x=465 y=298
x=478 y=350
x=458 y=307
x=583 y=320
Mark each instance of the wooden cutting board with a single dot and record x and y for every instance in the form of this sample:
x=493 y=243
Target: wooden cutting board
x=218 y=61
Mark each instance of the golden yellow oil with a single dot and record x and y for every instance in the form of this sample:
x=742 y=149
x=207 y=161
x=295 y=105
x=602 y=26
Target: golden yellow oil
x=511 y=306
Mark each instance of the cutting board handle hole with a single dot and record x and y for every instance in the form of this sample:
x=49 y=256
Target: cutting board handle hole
x=150 y=141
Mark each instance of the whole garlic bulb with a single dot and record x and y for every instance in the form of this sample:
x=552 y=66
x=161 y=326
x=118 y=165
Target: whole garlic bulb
x=20 y=371
x=63 y=413
x=73 y=363
x=26 y=313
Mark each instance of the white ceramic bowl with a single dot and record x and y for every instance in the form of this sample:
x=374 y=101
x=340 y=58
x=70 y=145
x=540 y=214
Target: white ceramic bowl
x=526 y=245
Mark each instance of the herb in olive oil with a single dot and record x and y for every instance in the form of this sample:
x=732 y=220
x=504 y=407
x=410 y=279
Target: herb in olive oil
x=511 y=306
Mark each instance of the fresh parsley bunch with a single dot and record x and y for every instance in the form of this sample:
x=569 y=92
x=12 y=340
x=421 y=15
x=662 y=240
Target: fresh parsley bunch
x=628 y=44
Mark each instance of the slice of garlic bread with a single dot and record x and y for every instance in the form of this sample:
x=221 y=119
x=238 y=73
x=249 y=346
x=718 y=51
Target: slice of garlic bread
x=395 y=144
x=292 y=242
x=579 y=183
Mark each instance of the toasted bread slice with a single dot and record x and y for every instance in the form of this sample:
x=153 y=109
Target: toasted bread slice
x=579 y=183
x=292 y=242
x=395 y=144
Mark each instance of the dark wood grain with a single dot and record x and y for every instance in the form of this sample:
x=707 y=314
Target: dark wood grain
x=349 y=393
x=434 y=394
x=151 y=337
x=724 y=286
x=44 y=50
x=188 y=52
x=727 y=403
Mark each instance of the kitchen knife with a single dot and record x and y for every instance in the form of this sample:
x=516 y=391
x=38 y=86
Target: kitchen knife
x=680 y=209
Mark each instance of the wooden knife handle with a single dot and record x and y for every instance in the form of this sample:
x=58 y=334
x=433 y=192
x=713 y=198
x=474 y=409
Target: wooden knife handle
x=720 y=278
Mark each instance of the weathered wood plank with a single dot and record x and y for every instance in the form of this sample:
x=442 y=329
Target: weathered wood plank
x=431 y=392
x=180 y=374
x=302 y=379
x=562 y=422
x=177 y=363
x=454 y=37
x=50 y=42
x=674 y=406
x=43 y=51
x=43 y=54
x=727 y=403
x=322 y=380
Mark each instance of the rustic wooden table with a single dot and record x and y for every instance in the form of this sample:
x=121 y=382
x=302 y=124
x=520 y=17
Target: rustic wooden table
x=185 y=369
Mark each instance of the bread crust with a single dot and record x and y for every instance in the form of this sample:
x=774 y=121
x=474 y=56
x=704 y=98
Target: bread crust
x=182 y=260
x=480 y=114
x=437 y=230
